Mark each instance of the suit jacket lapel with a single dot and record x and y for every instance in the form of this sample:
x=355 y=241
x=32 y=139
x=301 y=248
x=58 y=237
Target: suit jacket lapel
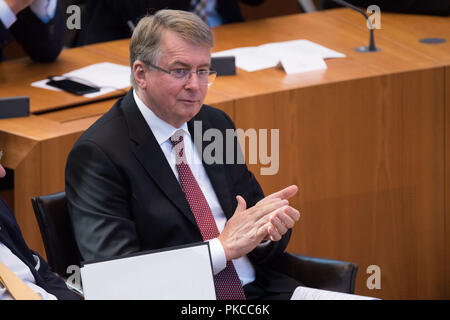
x=149 y=154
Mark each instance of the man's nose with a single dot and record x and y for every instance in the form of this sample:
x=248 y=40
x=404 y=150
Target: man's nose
x=192 y=81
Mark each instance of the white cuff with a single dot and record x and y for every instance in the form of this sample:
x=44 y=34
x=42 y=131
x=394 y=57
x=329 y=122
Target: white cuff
x=7 y=16
x=218 y=257
x=44 y=9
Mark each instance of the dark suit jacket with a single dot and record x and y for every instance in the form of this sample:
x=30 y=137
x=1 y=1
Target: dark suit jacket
x=105 y=20
x=11 y=236
x=123 y=196
x=41 y=41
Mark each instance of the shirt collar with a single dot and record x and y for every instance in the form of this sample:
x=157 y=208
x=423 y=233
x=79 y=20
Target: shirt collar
x=161 y=129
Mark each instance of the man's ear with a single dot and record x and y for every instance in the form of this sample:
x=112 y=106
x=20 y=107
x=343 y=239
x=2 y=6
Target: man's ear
x=139 y=73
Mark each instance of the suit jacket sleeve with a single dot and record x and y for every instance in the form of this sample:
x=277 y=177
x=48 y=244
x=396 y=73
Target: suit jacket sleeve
x=42 y=41
x=52 y=283
x=98 y=203
x=5 y=36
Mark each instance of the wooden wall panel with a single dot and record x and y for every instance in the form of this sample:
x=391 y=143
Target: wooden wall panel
x=447 y=182
x=370 y=168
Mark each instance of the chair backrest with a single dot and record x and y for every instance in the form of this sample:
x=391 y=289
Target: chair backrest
x=319 y=273
x=56 y=230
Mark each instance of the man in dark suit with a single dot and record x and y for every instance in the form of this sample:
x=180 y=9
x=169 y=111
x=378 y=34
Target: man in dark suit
x=31 y=268
x=105 y=20
x=42 y=37
x=129 y=188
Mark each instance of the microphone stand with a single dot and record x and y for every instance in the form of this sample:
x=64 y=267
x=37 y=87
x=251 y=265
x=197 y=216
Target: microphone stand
x=371 y=47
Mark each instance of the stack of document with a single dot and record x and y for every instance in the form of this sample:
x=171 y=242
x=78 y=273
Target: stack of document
x=294 y=56
x=305 y=293
x=106 y=76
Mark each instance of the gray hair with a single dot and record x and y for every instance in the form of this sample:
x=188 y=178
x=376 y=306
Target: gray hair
x=146 y=38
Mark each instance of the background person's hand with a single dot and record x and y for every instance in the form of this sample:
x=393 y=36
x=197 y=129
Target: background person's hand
x=18 y=5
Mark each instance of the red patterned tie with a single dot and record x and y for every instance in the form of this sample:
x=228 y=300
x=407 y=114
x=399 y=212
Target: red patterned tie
x=227 y=283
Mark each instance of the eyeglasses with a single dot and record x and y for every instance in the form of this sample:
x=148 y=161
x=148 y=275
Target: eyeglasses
x=205 y=76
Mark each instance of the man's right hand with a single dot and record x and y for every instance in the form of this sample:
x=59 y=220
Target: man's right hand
x=248 y=227
x=18 y=5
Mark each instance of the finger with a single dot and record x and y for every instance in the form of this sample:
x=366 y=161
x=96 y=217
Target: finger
x=267 y=199
x=285 y=219
x=292 y=213
x=278 y=224
x=263 y=232
x=273 y=233
x=242 y=205
x=268 y=207
x=285 y=193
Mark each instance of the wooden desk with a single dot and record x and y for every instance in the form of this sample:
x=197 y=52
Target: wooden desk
x=17 y=75
x=363 y=139
x=406 y=30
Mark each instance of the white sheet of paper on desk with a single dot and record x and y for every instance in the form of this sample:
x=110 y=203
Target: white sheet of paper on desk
x=270 y=54
x=305 y=293
x=105 y=75
x=296 y=64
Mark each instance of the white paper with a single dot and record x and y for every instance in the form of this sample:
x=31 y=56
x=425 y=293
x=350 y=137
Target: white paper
x=270 y=54
x=105 y=75
x=305 y=293
x=296 y=64
x=178 y=274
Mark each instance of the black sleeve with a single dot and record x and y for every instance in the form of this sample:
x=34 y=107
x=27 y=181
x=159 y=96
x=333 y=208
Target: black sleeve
x=98 y=203
x=52 y=283
x=42 y=41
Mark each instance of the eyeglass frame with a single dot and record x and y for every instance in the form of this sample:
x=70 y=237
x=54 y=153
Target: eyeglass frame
x=211 y=72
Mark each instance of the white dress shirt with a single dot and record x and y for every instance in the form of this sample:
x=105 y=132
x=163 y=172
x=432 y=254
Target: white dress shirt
x=162 y=132
x=10 y=260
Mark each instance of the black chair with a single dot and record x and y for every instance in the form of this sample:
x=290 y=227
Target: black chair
x=62 y=251
x=56 y=230
x=319 y=273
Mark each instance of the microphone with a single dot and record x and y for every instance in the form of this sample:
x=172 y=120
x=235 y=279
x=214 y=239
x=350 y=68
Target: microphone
x=371 y=47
